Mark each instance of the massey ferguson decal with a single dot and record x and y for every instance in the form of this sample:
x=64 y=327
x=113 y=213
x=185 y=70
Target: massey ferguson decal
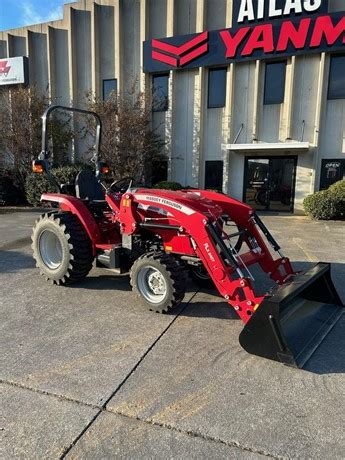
x=263 y=40
x=4 y=68
x=171 y=204
x=13 y=71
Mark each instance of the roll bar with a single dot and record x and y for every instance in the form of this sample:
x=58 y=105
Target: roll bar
x=44 y=152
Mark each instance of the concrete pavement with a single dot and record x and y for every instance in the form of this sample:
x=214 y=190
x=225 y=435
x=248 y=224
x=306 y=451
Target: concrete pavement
x=85 y=372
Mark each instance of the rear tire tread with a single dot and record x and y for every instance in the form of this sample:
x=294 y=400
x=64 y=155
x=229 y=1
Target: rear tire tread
x=80 y=250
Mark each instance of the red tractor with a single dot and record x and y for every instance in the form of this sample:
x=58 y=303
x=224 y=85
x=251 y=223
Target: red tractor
x=156 y=235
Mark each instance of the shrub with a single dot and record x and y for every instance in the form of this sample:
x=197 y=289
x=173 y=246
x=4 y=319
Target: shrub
x=327 y=204
x=67 y=174
x=320 y=205
x=166 y=185
x=10 y=191
x=338 y=191
x=338 y=188
x=36 y=184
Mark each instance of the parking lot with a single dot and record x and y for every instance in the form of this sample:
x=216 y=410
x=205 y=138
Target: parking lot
x=87 y=373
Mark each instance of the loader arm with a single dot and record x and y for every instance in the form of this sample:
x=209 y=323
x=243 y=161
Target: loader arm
x=280 y=269
x=223 y=266
x=286 y=325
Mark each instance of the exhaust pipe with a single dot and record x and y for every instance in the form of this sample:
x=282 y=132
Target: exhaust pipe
x=292 y=322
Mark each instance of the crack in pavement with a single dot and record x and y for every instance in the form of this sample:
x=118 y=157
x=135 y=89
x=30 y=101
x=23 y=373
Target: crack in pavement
x=103 y=408
x=197 y=434
x=49 y=393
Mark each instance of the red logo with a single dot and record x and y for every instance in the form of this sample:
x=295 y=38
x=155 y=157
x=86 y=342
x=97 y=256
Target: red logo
x=178 y=56
x=4 y=68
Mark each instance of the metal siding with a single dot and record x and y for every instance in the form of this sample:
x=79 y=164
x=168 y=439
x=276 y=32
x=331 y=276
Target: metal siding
x=60 y=58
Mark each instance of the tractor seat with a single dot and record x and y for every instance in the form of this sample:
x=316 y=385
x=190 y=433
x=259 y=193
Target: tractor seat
x=87 y=187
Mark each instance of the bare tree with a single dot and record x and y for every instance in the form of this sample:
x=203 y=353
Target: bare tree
x=129 y=144
x=20 y=124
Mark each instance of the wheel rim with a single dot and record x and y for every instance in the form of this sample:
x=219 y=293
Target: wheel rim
x=152 y=284
x=50 y=249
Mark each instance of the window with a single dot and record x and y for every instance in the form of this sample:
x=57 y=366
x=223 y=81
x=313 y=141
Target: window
x=336 y=86
x=275 y=82
x=160 y=93
x=214 y=175
x=108 y=87
x=159 y=171
x=216 y=87
x=332 y=170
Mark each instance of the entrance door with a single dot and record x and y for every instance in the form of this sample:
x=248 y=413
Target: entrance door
x=270 y=183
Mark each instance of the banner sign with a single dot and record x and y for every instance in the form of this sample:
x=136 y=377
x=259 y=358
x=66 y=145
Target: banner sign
x=13 y=71
x=251 y=39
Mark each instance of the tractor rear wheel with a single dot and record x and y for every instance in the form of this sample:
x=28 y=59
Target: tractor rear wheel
x=61 y=248
x=159 y=282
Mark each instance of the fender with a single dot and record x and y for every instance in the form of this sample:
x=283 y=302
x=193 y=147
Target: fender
x=78 y=208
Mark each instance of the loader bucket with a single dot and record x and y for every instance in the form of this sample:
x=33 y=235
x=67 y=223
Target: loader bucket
x=291 y=322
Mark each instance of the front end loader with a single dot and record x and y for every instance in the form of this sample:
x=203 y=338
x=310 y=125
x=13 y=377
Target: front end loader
x=157 y=236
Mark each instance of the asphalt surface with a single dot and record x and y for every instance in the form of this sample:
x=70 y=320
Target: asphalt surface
x=87 y=373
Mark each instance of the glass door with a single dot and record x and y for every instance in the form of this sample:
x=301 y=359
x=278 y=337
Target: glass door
x=270 y=183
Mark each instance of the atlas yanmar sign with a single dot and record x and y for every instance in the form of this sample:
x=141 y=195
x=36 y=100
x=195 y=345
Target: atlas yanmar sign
x=261 y=29
x=13 y=71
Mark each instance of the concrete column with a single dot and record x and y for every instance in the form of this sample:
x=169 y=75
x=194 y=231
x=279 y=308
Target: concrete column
x=117 y=47
x=29 y=52
x=257 y=99
x=168 y=127
x=71 y=57
x=8 y=44
x=169 y=113
x=228 y=125
x=71 y=73
x=51 y=64
x=286 y=112
x=4 y=45
x=228 y=110
x=199 y=106
x=94 y=51
x=321 y=97
x=144 y=83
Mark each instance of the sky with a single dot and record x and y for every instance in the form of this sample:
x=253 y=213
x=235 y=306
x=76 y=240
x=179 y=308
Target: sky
x=19 y=13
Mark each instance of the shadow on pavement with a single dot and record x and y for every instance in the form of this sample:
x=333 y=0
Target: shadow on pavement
x=13 y=261
x=329 y=358
x=104 y=282
x=218 y=310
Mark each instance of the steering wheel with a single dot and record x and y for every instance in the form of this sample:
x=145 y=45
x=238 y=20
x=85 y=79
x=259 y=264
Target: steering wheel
x=121 y=185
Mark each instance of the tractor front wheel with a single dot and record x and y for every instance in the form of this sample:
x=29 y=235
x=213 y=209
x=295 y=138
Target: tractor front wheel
x=61 y=248
x=159 y=282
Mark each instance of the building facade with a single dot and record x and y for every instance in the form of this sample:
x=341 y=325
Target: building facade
x=268 y=131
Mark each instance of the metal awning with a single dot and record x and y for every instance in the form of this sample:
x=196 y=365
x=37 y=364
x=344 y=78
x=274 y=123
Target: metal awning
x=268 y=146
